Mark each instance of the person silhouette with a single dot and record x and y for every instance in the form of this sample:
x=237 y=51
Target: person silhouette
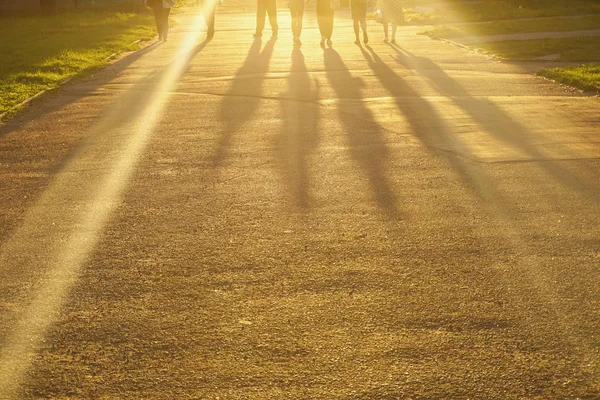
x=391 y=11
x=358 y=9
x=209 y=8
x=297 y=13
x=325 y=20
x=162 y=9
x=264 y=7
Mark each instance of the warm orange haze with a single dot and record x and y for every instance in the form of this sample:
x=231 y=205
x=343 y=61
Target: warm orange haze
x=303 y=200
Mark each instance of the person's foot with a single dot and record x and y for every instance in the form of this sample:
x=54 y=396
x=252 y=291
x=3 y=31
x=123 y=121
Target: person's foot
x=329 y=43
x=160 y=37
x=385 y=40
x=393 y=41
x=210 y=35
x=257 y=35
x=357 y=41
x=274 y=34
x=322 y=42
x=365 y=38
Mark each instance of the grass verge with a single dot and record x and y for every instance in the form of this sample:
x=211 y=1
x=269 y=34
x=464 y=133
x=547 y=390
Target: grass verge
x=585 y=77
x=518 y=26
x=566 y=49
x=496 y=10
x=39 y=53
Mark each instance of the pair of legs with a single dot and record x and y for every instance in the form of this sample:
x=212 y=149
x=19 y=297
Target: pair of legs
x=297 y=27
x=325 y=22
x=264 y=7
x=363 y=25
x=359 y=17
x=297 y=13
x=208 y=8
x=386 y=28
x=161 y=16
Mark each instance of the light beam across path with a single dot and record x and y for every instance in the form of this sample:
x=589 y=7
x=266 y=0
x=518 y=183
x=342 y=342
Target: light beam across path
x=61 y=230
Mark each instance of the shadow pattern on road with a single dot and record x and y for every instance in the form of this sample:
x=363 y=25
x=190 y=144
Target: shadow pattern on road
x=365 y=136
x=491 y=118
x=299 y=131
x=242 y=99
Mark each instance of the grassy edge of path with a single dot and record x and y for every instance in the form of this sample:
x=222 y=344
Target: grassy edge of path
x=584 y=77
x=52 y=50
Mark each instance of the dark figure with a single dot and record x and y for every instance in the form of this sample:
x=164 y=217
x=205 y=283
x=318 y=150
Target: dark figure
x=297 y=13
x=359 y=16
x=162 y=9
x=391 y=11
x=262 y=8
x=208 y=8
x=325 y=20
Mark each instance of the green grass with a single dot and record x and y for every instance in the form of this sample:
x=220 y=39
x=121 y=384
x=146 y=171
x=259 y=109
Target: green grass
x=517 y=26
x=586 y=77
x=570 y=49
x=39 y=53
x=495 y=10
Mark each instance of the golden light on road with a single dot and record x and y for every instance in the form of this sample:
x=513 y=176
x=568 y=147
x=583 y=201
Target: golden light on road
x=62 y=229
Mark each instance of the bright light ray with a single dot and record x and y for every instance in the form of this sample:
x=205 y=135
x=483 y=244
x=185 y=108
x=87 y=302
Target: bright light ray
x=61 y=230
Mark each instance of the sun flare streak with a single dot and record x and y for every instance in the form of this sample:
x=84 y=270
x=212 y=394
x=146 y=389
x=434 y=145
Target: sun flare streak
x=61 y=230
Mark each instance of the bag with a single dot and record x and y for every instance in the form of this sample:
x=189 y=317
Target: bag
x=378 y=15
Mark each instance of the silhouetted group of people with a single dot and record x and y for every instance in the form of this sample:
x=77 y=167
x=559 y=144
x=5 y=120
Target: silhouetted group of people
x=390 y=12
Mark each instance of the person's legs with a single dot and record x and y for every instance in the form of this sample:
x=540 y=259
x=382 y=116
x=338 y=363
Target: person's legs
x=394 y=27
x=272 y=11
x=157 y=21
x=322 y=22
x=356 y=31
x=363 y=25
x=329 y=30
x=261 y=11
x=385 y=30
x=161 y=15
x=166 y=12
x=209 y=17
x=297 y=26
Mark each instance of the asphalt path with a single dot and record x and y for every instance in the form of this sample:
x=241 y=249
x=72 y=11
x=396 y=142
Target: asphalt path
x=239 y=219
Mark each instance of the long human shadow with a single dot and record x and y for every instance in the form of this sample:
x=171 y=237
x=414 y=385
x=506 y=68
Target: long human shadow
x=55 y=103
x=299 y=131
x=489 y=116
x=243 y=97
x=364 y=134
x=428 y=126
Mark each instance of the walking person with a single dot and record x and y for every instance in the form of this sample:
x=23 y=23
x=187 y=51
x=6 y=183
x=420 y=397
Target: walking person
x=162 y=9
x=358 y=9
x=297 y=13
x=209 y=8
x=325 y=20
x=391 y=12
x=264 y=7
